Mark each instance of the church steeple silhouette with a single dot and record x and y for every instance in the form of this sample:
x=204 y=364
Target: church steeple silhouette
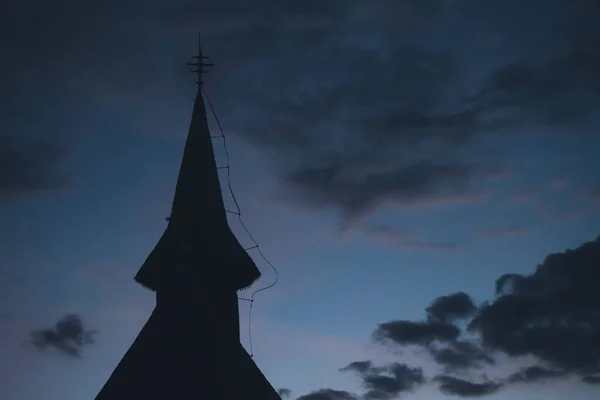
x=190 y=346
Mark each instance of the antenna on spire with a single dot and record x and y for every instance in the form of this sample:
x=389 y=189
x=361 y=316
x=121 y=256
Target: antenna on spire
x=198 y=65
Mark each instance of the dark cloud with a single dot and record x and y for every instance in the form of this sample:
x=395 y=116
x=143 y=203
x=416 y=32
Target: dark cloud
x=451 y=308
x=403 y=104
x=328 y=394
x=415 y=333
x=539 y=314
x=552 y=314
x=459 y=387
x=591 y=379
x=351 y=130
x=362 y=367
x=559 y=85
x=535 y=374
x=284 y=393
x=284 y=58
x=29 y=165
x=104 y=42
x=383 y=383
x=460 y=356
x=355 y=93
x=316 y=79
x=438 y=335
x=68 y=336
x=358 y=188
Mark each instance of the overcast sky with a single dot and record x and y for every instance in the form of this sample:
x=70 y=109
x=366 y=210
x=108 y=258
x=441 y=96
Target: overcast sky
x=415 y=169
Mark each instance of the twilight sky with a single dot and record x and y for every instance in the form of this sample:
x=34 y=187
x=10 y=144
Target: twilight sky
x=415 y=169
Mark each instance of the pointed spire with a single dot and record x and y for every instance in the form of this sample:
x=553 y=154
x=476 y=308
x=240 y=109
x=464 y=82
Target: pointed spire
x=198 y=225
x=198 y=191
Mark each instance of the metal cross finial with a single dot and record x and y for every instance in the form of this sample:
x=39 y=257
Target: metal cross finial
x=197 y=64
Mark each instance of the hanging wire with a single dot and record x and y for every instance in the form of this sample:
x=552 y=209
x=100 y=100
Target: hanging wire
x=239 y=215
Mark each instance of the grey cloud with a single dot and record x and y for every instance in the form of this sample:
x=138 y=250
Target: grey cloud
x=561 y=84
x=307 y=80
x=459 y=387
x=355 y=140
x=362 y=367
x=68 y=336
x=591 y=379
x=388 y=382
x=29 y=165
x=561 y=88
x=451 y=307
x=417 y=333
x=328 y=394
x=536 y=374
x=344 y=94
x=411 y=127
x=357 y=189
x=284 y=393
x=298 y=82
x=460 y=356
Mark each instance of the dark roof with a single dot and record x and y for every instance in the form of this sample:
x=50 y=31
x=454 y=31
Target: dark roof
x=198 y=222
x=144 y=374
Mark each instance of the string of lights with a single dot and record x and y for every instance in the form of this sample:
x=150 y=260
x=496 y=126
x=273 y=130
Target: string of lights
x=238 y=213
